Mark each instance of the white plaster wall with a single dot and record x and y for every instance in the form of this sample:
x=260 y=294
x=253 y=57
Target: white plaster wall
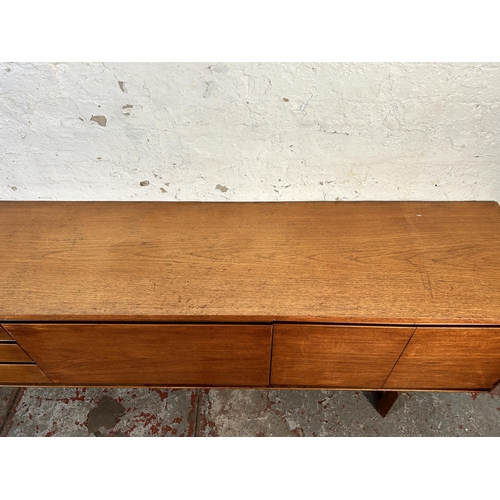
x=242 y=131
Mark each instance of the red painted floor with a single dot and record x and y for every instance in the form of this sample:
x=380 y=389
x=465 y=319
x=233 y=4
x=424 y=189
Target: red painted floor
x=183 y=412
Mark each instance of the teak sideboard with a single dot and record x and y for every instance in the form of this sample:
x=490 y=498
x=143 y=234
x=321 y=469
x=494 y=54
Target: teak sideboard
x=382 y=296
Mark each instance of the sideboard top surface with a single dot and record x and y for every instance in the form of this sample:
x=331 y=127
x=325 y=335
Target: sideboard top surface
x=360 y=262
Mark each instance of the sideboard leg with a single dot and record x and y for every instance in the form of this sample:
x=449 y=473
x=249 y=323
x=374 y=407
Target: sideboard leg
x=495 y=390
x=385 y=400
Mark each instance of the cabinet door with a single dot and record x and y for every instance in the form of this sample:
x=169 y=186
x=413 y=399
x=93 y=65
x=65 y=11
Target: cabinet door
x=449 y=358
x=359 y=357
x=147 y=354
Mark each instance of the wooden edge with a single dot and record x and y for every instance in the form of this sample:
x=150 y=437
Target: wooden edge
x=250 y=388
x=257 y=320
x=371 y=389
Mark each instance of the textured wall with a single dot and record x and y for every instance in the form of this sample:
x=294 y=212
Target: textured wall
x=239 y=131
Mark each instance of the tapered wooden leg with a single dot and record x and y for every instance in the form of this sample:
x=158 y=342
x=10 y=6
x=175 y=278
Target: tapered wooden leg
x=385 y=400
x=495 y=390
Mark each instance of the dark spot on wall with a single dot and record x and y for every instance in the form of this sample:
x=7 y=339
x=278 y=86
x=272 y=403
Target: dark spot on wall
x=13 y=188
x=122 y=87
x=286 y=99
x=126 y=114
x=107 y=414
x=127 y=106
x=163 y=190
x=100 y=119
x=99 y=158
x=144 y=183
x=221 y=188
x=81 y=119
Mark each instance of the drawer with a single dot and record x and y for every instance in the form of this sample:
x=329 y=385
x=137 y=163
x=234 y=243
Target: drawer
x=22 y=375
x=149 y=354
x=360 y=357
x=449 y=358
x=4 y=335
x=12 y=353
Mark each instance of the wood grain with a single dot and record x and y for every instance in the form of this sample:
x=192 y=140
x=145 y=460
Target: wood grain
x=4 y=336
x=348 y=262
x=166 y=355
x=22 y=375
x=335 y=356
x=449 y=358
x=12 y=353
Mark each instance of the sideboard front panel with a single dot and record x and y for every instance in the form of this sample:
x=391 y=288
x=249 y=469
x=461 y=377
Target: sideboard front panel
x=449 y=358
x=149 y=354
x=336 y=356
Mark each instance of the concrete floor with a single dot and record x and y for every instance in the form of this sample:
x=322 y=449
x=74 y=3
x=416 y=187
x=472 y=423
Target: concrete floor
x=215 y=412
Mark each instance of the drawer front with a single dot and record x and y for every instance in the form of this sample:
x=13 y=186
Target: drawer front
x=336 y=356
x=4 y=336
x=449 y=358
x=22 y=375
x=146 y=354
x=12 y=353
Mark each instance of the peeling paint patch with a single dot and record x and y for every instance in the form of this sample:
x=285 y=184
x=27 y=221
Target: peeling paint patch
x=144 y=183
x=100 y=119
x=221 y=188
x=127 y=106
x=107 y=414
x=122 y=87
x=75 y=412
